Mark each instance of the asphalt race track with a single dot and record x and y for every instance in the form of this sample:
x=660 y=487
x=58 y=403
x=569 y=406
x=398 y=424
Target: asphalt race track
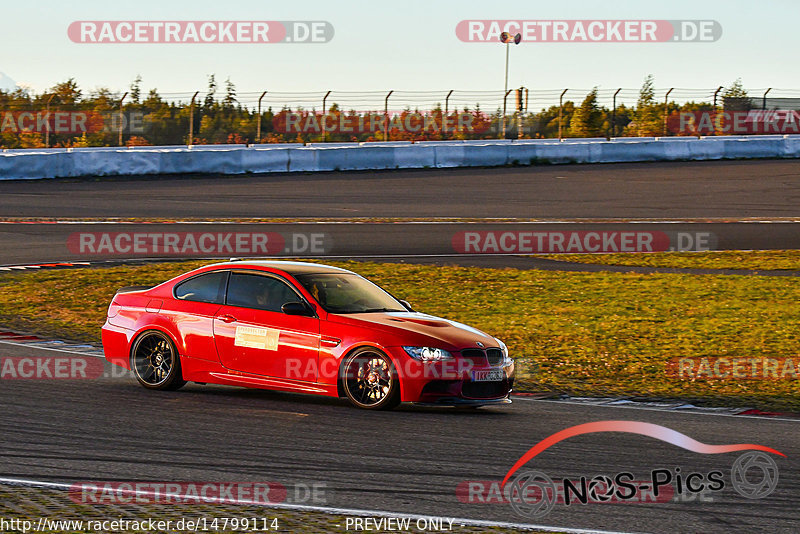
x=411 y=460
x=644 y=190
x=35 y=242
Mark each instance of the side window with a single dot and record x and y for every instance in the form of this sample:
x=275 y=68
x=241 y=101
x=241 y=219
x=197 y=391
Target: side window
x=259 y=292
x=208 y=287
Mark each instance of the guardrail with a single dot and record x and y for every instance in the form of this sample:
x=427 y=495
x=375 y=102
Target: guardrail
x=241 y=159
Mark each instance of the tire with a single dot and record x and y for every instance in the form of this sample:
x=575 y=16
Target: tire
x=155 y=362
x=370 y=380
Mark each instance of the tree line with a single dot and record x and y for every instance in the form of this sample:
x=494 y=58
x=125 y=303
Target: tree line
x=219 y=118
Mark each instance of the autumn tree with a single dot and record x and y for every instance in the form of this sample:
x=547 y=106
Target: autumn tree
x=647 y=119
x=735 y=97
x=587 y=120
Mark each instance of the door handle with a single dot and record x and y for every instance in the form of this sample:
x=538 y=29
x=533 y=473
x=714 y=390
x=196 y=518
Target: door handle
x=227 y=318
x=330 y=341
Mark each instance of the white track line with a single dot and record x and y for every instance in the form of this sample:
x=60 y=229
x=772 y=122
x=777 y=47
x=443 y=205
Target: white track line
x=337 y=511
x=653 y=409
x=710 y=220
x=31 y=346
x=526 y=255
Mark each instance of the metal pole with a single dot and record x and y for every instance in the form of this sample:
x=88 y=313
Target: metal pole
x=764 y=99
x=120 y=117
x=666 y=96
x=191 y=119
x=386 y=116
x=715 y=108
x=446 y=108
x=715 y=96
x=560 y=106
x=324 y=99
x=505 y=98
x=526 y=100
x=520 y=107
x=47 y=122
x=614 y=113
x=258 y=133
x=505 y=90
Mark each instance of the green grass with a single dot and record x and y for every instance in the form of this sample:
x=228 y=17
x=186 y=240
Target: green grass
x=767 y=260
x=580 y=333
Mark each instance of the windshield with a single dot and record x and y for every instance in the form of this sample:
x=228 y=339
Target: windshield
x=348 y=293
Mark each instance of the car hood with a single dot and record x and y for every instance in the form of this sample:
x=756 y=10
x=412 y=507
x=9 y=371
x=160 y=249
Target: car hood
x=445 y=333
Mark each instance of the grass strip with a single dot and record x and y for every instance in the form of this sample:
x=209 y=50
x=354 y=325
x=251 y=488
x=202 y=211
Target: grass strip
x=757 y=260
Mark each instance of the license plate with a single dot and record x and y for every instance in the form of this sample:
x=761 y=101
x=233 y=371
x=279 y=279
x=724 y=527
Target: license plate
x=489 y=375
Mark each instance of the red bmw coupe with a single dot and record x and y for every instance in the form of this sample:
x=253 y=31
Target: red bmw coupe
x=301 y=327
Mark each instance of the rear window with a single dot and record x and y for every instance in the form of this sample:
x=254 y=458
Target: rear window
x=209 y=287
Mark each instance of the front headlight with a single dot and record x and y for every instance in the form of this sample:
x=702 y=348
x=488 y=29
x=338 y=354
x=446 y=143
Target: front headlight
x=504 y=348
x=428 y=354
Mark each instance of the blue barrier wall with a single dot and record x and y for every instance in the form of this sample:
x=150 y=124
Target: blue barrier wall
x=240 y=159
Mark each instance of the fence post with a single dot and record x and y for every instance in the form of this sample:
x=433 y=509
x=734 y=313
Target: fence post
x=560 y=107
x=386 y=116
x=715 y=109
x=258 y=133
x=324 y=132
x=47 y=123
x=120 y=117
x=446 y=107
x=191 y=119
x=505 y=98
x=764 y=99
x=666 y=96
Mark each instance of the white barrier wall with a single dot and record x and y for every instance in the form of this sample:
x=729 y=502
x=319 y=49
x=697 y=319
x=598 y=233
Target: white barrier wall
x=240 y=159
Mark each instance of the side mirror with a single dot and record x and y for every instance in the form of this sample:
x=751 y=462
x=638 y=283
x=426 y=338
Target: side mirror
x=407 y=305
x=297 y=308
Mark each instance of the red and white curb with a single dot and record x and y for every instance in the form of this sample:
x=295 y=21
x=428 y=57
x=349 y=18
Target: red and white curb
x=53 y=265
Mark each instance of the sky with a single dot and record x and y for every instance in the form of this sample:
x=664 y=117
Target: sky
x=409 y=45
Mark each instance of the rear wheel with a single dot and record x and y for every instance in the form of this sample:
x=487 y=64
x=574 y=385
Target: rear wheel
x=155 y=362
x=370 y=380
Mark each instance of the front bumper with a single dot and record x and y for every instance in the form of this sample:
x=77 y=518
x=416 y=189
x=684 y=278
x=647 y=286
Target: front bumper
x=451 y=382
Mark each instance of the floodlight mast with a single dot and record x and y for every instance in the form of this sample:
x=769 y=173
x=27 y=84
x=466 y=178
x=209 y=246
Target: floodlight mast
x=506 y=38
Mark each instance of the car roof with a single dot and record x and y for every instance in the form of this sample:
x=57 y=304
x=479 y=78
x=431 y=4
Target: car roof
x=290 y=267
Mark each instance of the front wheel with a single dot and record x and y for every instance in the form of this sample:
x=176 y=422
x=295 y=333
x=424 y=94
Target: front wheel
x=370 y=380
x=155 y=362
